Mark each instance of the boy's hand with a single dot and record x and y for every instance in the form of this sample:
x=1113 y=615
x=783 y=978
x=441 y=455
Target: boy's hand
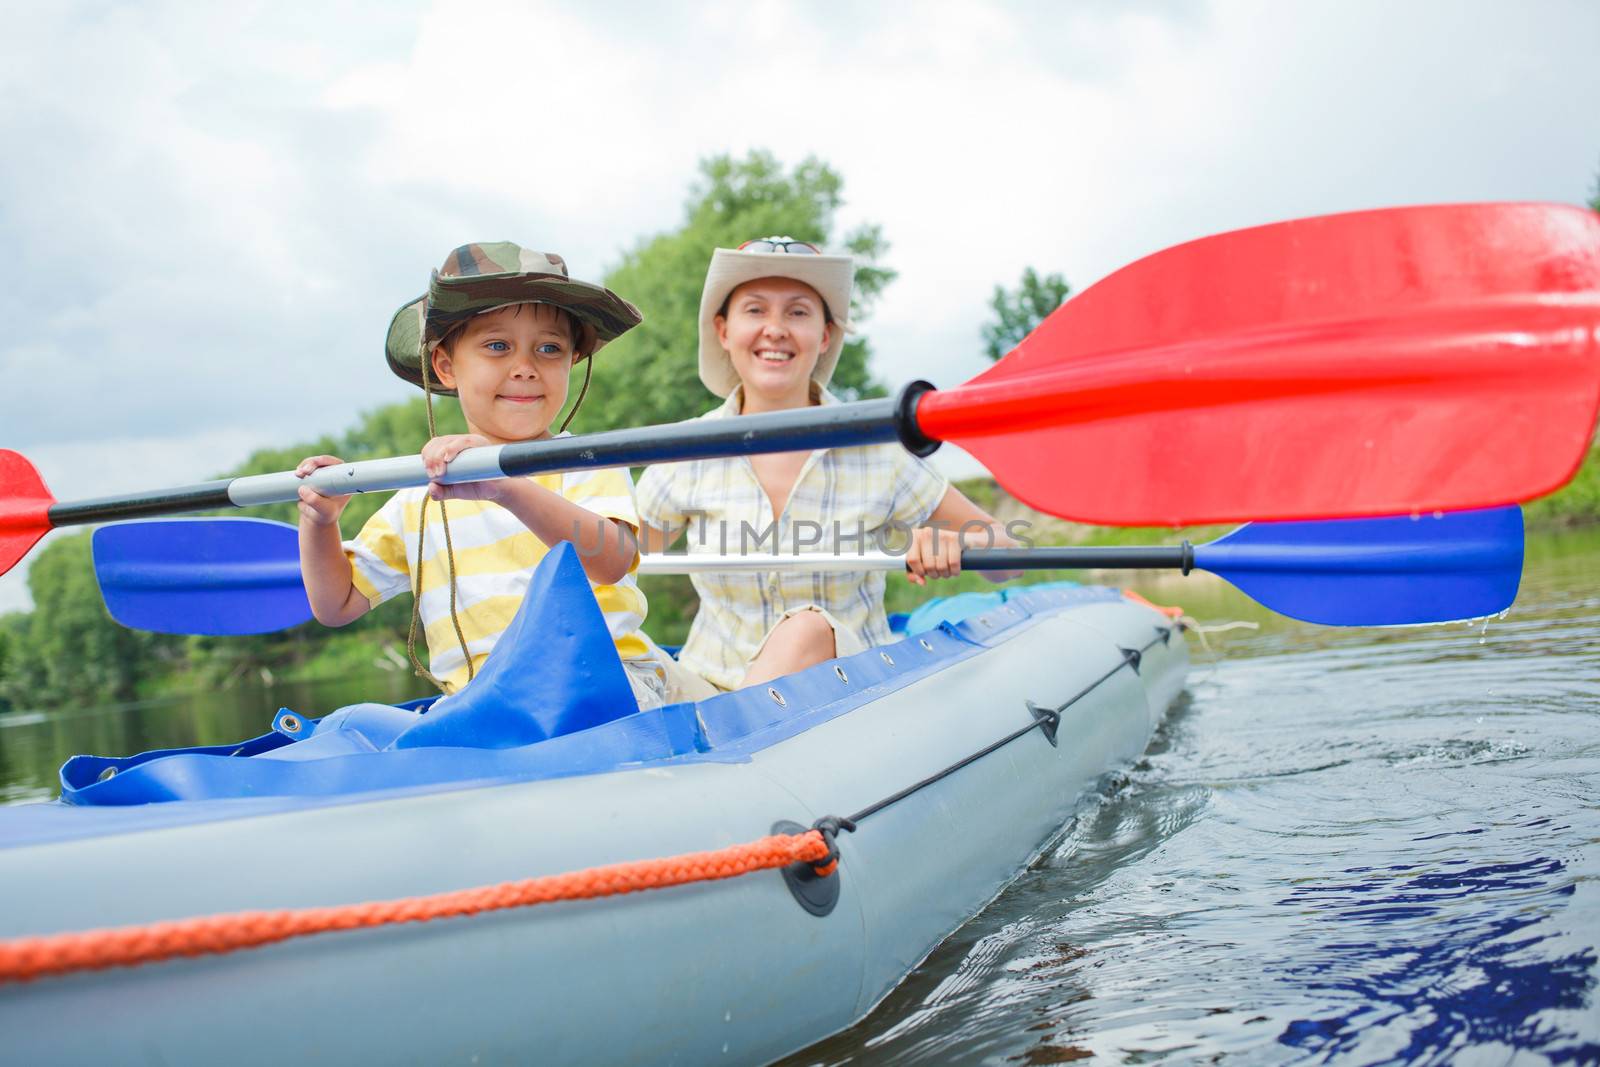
x=315 y=507
x=437 y=454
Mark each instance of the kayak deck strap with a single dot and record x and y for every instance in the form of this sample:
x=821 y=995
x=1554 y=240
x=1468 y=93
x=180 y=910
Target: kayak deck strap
x=1044 y=719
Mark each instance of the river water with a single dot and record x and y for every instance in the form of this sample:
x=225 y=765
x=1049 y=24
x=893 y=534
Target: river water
x=1356 y=846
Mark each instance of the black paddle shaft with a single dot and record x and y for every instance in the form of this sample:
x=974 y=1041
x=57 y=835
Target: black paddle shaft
x=1104 y=557
x=800 y=430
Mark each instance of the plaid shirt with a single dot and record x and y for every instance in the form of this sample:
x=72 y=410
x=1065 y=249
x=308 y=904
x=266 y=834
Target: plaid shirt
x=845 y=500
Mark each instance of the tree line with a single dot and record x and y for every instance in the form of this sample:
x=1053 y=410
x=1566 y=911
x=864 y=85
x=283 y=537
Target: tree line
x=67 y=650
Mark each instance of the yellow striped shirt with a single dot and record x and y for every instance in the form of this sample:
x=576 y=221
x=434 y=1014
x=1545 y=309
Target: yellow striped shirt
x=844 y=500
x=495 y=557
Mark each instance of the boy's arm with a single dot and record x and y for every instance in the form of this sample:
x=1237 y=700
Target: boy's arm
x=606 y=547
x=324 y=568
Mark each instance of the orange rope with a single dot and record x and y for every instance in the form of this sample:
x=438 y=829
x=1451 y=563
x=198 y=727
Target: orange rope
x=1171 y=612
x=27 y=958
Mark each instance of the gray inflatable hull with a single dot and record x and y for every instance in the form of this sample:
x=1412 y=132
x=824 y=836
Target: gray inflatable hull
x=732 y=972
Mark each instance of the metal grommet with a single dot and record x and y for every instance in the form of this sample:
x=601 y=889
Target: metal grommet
x=775 y=695
x=923 y=641
x=290 y=724
x=887 y=658
x=843 y=677
x=106 y=775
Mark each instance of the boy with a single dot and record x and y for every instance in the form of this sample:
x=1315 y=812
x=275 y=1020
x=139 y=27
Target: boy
x=500 y=327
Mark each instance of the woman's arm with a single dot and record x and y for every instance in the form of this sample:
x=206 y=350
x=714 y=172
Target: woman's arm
x=659 y=540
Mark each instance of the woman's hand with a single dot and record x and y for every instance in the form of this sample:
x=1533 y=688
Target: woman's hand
x=317 y=508
x=933 y=553
x=436 y=456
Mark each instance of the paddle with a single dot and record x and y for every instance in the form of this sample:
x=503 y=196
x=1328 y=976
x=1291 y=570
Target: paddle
x=1380 y=362
x=237 y=576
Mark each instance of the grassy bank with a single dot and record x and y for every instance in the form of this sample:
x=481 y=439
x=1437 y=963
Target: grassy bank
x=1575 y=504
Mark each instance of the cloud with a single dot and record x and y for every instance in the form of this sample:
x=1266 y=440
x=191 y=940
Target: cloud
x=210 y=212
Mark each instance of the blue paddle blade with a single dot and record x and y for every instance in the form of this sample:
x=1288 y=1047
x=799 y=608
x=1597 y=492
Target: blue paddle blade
x=201 y=576
x=1376 y=572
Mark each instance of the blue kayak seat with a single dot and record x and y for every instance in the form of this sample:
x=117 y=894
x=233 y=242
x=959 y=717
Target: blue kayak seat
x=554 y=671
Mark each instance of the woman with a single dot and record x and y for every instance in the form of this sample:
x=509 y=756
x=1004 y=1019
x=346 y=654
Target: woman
x=773 y=316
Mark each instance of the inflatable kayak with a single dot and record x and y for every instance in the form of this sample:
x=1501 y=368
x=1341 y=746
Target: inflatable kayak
x=959 y=751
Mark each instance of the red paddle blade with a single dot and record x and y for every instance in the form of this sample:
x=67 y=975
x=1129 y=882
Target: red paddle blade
x=1374 y=363
x=24 y=508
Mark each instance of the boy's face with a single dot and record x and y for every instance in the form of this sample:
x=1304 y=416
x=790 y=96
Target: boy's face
x=774 y=331
x=510 y=367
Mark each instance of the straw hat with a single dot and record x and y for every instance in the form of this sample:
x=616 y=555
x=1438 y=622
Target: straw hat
x=830 y=276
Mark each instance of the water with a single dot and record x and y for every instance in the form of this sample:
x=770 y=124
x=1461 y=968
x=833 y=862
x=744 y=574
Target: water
x=1352 y=846
x=34 y=744
x=1361 y=846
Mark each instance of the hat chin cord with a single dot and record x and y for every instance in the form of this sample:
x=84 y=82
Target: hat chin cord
x=422 y=532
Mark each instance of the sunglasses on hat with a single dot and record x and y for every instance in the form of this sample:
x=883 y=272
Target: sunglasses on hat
x=781 y=244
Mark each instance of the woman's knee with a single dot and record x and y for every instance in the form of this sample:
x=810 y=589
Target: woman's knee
x=809 y=633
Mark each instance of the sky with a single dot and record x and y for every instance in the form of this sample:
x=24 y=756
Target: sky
x=209 y=212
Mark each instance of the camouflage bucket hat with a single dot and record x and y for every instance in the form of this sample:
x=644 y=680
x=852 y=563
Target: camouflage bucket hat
x=481 y=277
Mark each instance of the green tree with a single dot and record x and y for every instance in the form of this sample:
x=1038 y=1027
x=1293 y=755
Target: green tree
x=76 y=652
x=12 y=634
x=649 y=375
x=1017 y=312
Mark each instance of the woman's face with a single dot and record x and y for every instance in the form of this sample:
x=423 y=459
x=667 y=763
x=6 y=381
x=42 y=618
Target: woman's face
x=774 y=332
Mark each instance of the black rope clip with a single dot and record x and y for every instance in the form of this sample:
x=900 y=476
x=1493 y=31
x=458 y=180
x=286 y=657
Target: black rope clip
x=813 y=890
x=830 y=826
x=1048 y=720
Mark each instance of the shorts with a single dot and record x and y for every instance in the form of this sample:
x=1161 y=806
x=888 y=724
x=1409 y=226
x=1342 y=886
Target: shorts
x=648 y=678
